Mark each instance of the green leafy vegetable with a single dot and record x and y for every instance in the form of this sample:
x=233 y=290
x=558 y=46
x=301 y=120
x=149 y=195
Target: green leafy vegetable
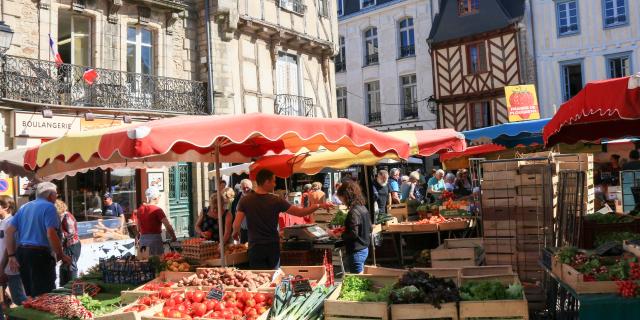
x=607 y=218
x=432 y=290
x=615 y=236
x=339 y=218
x=355 y=288
x=490 y=290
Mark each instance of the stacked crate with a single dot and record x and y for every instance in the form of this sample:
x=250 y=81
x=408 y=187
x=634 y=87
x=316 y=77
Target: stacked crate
x=516 y=200
x=582 y=162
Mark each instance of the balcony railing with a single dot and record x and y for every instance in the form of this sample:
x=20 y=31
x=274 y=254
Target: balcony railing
x=291 y=105
x=296 y=6
x=410 y=111
x=371 y=59
x=375 y=117
x=341 y=66
x=407 y=51
x=46 y=82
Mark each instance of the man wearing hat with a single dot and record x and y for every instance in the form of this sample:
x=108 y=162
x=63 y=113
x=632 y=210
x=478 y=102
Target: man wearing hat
x=112 y=209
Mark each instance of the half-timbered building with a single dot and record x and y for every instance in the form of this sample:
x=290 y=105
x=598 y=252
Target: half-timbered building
x=477 y=48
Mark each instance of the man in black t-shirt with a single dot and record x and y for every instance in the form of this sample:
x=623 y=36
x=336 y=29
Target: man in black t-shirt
x=262 y=209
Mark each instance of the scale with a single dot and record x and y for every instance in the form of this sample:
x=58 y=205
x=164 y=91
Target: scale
x=305 y=232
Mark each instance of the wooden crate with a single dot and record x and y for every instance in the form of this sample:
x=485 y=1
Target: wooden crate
x=335 y=309
x=201 y=251
x=398 y=227
x=129 y=296
x=493 y=259
x=231 y=259
x=442 y=257
x=120 y=314
x=528 y=179
x=498 y=193
x=456 y=225
x=495 y=308
x=424 y=227
x=500 y=245
x=400 y=212
x=463 y=243
x=481 y=271
x=323 y=216
x=497 y=184
x=313 y=273
x=575 y=280
x=500 y=175
x=447 y=273
x=424 y=311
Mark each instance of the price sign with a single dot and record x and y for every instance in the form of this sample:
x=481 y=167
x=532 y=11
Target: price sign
x=215 y=294
x=301 y=286
x=77 y=289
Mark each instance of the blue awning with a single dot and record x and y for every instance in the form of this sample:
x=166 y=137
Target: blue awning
x=510 y=134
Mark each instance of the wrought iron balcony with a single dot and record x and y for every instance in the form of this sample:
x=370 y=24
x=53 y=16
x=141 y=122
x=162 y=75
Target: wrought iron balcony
x=371 y=59
x=40 y=81
x=375 y=117
x=340 y=66
x=410 y=111
x=291 y=105
x=407 y=51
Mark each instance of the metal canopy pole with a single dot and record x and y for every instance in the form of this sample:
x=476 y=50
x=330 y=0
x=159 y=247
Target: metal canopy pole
x=219 y=209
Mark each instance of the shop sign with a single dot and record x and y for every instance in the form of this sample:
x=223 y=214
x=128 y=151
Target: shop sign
x=99 y=124
x=522 y=102
x=36 y=126
x=6 y=186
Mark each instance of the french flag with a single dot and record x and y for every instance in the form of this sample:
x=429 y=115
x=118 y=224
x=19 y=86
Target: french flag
x=54 y=52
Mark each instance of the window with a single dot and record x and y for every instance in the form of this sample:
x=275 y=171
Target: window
x=288 y=85
x=371 y=46
x=323 y=8
x=140 y=50
x=373 y=101
x=480 y=114
x=615 y=13
x=367 y=3
x=567 y=17
x=341 y=99
x=619 y=65
x=571 y=73
x=295 y=6
x=341 y=58
x=407 y=41
x=409 y=96
x=74 y=38
x=466 y=7
x=340 y=5
x=476 y=58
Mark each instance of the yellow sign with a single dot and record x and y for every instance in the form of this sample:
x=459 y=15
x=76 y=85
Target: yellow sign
x=6 y=186
x=522 y=102
x=99 y=124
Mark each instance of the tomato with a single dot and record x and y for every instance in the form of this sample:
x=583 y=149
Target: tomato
x=259 y=297
x=250 y=303
x=165 y=293
x=239 y=305
x=181 y=308
x=198 y=309
x=170 y=303
x=261 y=310
x=219 y=307
x=250 y=312
x=230 y=304
x=166 y=310
x=178 y=299
x=269 y=301
x=211 y=304
x=189 y=295
x=160 y=315
x=215 y=315
x=198 y=296
x=230 y=296
x=175 y=314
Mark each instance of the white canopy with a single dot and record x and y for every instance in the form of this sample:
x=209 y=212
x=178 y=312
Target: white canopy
x=238 y=169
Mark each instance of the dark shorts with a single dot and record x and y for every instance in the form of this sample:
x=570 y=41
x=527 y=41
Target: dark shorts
x=264 y=256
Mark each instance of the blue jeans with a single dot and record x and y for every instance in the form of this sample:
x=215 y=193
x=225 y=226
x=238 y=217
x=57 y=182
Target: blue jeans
x=18 y=296
x=356 y=261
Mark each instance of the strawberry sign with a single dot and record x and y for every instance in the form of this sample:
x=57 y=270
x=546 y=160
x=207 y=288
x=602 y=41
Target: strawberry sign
x=522 y=103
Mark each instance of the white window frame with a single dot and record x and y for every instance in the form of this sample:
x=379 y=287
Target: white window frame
x=368 y=95
x=564 y=78
x=568 y=17
x=74 y=35
x=373 y=39
x=323 y=8
x=372 y=4
x=628 y=55
x=341 y=97
x=139 y=44
x=409 y=30
x=625 y=6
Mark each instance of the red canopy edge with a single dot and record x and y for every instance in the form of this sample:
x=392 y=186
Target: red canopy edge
x=470 y=151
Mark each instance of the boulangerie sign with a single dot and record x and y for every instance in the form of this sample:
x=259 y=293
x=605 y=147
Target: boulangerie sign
x=34 y=125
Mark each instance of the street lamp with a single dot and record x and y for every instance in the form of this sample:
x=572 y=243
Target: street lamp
x=432 y=104
x=6 y=35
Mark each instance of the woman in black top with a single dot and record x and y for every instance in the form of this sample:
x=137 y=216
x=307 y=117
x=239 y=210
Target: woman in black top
x=207 y=224
x=357 y=234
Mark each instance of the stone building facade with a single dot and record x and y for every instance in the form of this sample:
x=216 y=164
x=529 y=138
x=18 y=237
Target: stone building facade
x=151 y=60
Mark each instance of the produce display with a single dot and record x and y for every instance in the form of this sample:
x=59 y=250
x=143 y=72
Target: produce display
x=608 y=218
x=98 y=308
x=615 y=236
x=226 y=277
x=201 y=249
x=490 y=290
x=420 y=287
x=157 y=286
x=339 y=218
x=173 y=261
x=355 y=288
x=103 y=233
x=597 y=268
x=308 y=306
x=434 y=220
x=127 y=270
x=239 y=305
x=63 y=306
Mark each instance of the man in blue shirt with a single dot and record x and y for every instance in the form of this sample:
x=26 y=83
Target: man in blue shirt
x=111 y=209
x=31 y=253
x=394 y=185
